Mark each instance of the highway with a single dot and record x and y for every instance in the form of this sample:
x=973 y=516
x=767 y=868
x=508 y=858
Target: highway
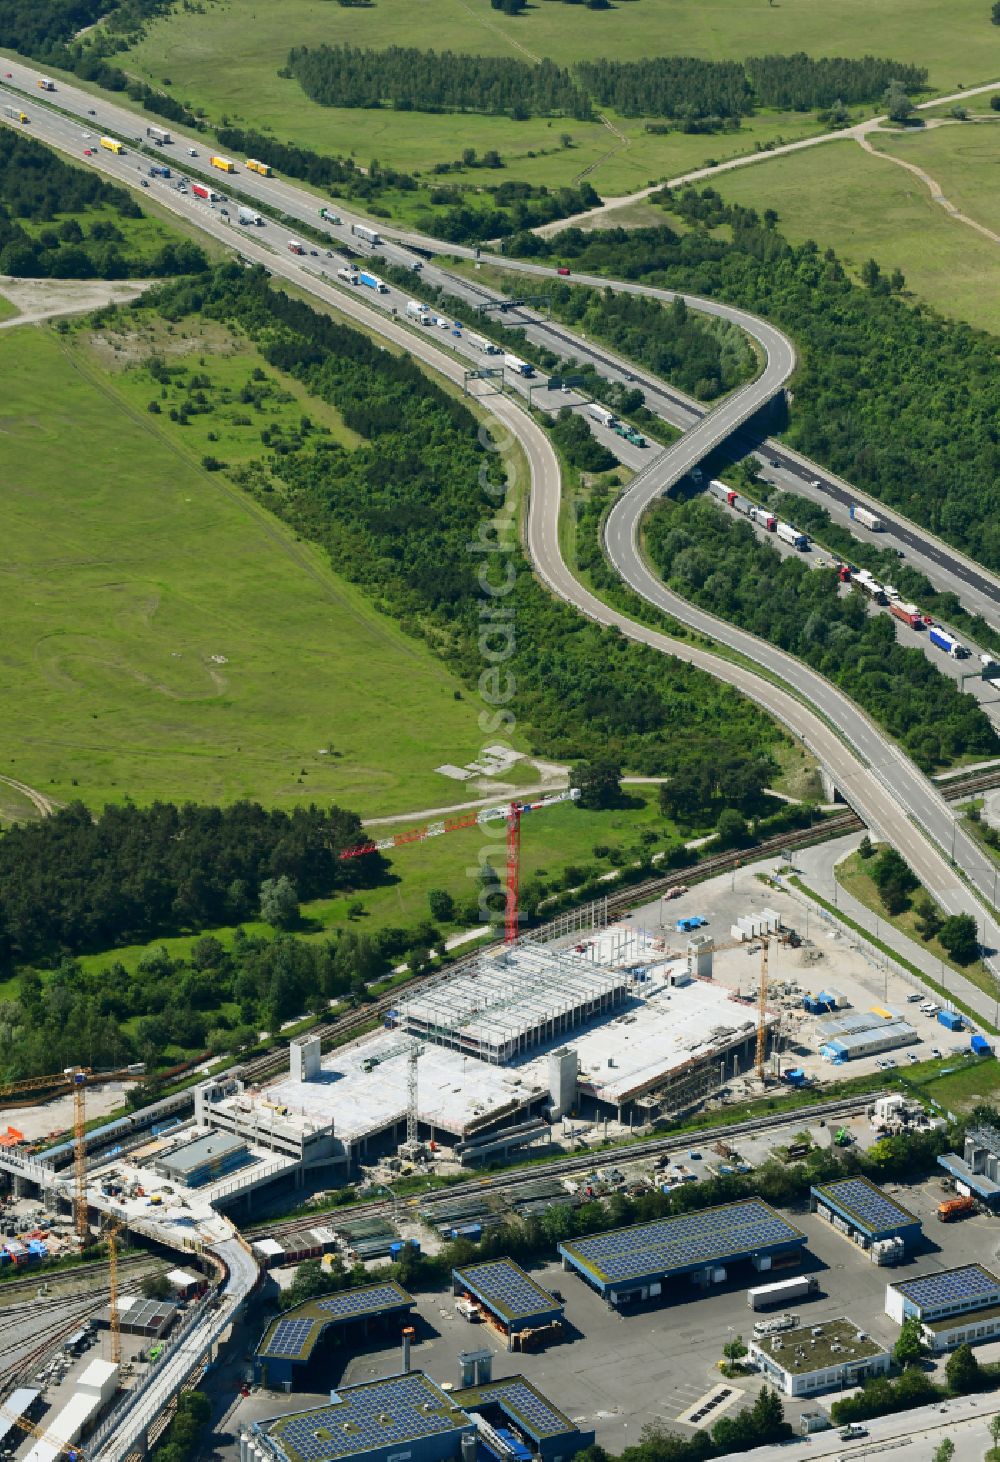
x=878 y=780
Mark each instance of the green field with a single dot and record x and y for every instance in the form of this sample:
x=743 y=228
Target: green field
x=852 y=874
x=864 y=207
x=7 y=310
x=225 y=58
x=963 y=159
x=127 y=568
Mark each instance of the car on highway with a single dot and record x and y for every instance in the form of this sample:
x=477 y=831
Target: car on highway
x=143 y=183
x=563 y=271
x=912 y=1057
x=8 y=74
x=935 y=1053
x=91 y=112
x=224 y=212
x=88 y=152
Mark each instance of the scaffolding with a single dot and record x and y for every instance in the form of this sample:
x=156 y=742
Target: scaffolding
x=511 y=1002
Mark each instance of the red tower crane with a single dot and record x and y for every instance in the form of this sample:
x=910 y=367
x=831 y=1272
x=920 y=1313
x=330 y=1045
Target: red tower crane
x=511 y=814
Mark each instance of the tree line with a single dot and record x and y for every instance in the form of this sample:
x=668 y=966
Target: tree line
x=718 y=562
x=409 y=79
x=36 y=186
x=921 y=435
x=74 y=882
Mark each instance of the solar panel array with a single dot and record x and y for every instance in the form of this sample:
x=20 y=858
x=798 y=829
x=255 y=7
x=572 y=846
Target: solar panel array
x=367 y=1301
x=865 y=1203
x=290 y=1339
x=526 y=1407
x=969 y=1285
x=506 y=1288
x=688 y=1240
x=367 y=1418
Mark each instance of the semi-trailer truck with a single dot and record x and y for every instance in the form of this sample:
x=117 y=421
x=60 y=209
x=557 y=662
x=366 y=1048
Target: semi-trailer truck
x=349 y=276
x=202 y=190
x=367 y=235
x=248 y=215
x=783 y=1290
x=373 y=282
x=296 y=247
x=416 y=311
x=519 y=366
x=764 y=518
x=16 y=115
x=622 y=429
x=224 y=164
x=254 y=165
x=792 y=536
x=479 y=342
x=159 y=170
x=865 y=580
x=159 y=135
x=722 y=492
x=952 y=1208
x=602 y=414
x=111 y=144
x=329 y=215
x=908 y=613
x=45 y=83
x=866 y=518
x=947 y=643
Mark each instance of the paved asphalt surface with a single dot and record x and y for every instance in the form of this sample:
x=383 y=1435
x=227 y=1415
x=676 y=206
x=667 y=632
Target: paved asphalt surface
x=876 y=778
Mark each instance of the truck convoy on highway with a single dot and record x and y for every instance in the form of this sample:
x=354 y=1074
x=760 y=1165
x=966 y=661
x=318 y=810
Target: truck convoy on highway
x=247 y=215
x=797 y=1288
x=111 y=144
x=366 y=235
x=416 y=311
x=16 y=115
x=866 y=518
x=224 y=164
x=519 y=366
x=160 y=135
x=372 y=281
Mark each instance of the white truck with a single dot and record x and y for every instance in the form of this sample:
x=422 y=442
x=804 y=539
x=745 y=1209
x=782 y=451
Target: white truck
x=602 y=414
x=416 y=311
x=519 y=366
x=797 y=1288
x=247 y=215
x=349 y=276
x=791 y=535
x=866 y=518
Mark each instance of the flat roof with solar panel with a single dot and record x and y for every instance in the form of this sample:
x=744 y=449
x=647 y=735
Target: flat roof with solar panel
x=508 y=1293
x=867 y=1209
x=368 y=1420
x=949 y=1292
x=626 y=1260
x=292 y=1337
x=522 y=1404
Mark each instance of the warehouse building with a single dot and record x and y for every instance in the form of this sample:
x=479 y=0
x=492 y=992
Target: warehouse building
x=866 y=1215
x=825 y=1357
x=954 y=1307
x=150 y=1319
x=206 y=1158
x=977 y=1171
x=290 y=1340
x=513 y=1301
x=882 y=1035
x=630 y=1265
x=405 y=1416
x=515 y=1419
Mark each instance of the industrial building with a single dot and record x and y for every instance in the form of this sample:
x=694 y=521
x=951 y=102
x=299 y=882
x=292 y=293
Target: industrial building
x=512 y=1002
x=954 y=1306
x=410 y=1417
x=521 y=1420
x=295 y=1248
x=868 y=1216
x=854 y=1034
x=290 y=1340
x=150 y=1319
x=630 y=1265
x=977 y=1171
x=510 y=1297
x=203 y=1160
x=823 y=1357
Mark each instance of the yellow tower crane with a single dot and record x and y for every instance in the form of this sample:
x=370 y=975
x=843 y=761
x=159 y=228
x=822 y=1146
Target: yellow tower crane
x=79 y=1079
x=114 y=1316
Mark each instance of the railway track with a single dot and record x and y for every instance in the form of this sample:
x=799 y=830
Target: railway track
x=507 y=1185
x=617 y=903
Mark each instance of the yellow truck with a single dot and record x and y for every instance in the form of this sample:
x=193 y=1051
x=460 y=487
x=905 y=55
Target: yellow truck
x=14 y=114
x=224 y=164
x=111 y=144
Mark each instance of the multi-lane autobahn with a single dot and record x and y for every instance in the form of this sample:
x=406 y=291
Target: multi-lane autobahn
x=892 y=796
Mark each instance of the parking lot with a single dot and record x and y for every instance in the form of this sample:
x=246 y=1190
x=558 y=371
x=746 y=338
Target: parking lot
x=619 y=1372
